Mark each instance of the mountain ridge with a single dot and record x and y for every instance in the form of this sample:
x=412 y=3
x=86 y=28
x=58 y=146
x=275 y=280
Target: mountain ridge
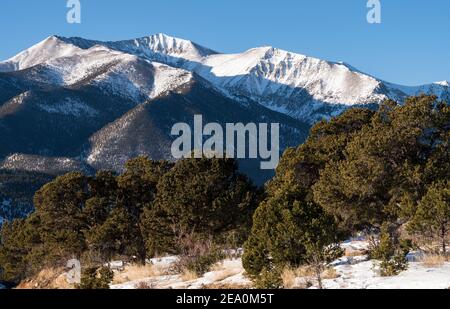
x=300 y=86
x=71 y=104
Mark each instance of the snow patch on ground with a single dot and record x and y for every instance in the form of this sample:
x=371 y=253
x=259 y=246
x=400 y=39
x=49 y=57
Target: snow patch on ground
x=353 y=272
x=228 y=272
x=363 y=275
x=69 y=106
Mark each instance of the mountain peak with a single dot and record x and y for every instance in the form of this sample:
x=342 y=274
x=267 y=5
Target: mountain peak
x=165 y=37
x=51 y=47
x=271 y=51
x=443 y=83
x=165 y=44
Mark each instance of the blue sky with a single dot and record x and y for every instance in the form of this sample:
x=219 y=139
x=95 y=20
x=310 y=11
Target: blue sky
x=411 y=46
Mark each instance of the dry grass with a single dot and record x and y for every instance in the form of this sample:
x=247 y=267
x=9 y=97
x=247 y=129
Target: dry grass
x=226 y=286
x=353 y=253
x=144 y=286
x=188 y=275
x=433 y=260
x=330 y=273
x=221 y=272
x=295 y=278
x=305 y=271
x=136 y=272
x=289 y=276
x=49 y=278
x=225 y=273
x=218 y=267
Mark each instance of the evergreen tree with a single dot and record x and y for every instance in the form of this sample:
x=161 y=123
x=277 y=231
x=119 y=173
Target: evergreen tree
x=103 y=196
x=94 y=278
x=390 y=251
x=118 y=236
x=384 y=164
x=59 y=207
x=20 y=253
x=116 y=206
x=138 y=184
x=289 y=228
x=205 y=196
x=290 y=233
x=432 y=217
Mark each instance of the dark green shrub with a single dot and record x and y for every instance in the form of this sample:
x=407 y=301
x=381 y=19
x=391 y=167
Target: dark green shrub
x=268 y=279
x=94 y=278
x=390 y=252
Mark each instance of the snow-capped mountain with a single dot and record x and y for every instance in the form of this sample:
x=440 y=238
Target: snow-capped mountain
x=56 y=63
x=77 y=104
x=302 y=87
x=154 y=47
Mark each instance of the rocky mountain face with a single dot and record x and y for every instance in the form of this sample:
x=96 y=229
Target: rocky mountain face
x=75 y=104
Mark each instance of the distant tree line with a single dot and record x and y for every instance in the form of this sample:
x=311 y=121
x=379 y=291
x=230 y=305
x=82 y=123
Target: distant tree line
x=17 y=189
x=385 y=171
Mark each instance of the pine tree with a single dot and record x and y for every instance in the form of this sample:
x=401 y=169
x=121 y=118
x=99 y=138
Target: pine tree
x=386 y=162
x=59 y=207
x=205 y=196
x=390 y=251
x=287 y=230
x=94 y=278
x=432 y=217
x=118 y=236
x=138 y=184
x=18 y=239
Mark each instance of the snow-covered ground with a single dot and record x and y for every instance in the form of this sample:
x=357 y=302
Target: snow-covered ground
x=363 y=275
x=352 y=272
x=227 y=273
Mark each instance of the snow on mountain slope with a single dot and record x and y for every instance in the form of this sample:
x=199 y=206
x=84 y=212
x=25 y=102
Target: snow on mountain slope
x=158 y=47
x=268 y=69
x=303 y=87
x=161 y=44
x=294 y=84
x=440 y=89
x=141 y=80
x=104 y=65
x=50 y=165
x=62 y=64
x=50 y=48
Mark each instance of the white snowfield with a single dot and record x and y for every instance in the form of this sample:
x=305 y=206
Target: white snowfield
x=50 y=48
x=291 y=83
x=355 y=272
x=230 y=272
x=116 y=72
x=363 y=275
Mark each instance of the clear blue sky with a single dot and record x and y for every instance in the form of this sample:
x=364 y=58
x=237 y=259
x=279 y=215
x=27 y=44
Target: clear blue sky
x=411 y=46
